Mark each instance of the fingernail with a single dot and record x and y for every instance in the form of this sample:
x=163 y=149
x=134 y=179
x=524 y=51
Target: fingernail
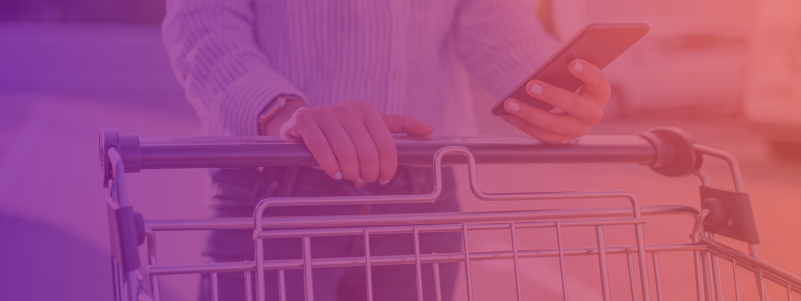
x=536 y=89
x=338 y=175
x=513 y=105
x=578 y=67
x=384 y=182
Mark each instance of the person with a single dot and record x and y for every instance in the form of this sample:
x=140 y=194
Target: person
x=344 y=76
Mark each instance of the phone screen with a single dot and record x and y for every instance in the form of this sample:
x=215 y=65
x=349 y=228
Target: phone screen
x=598 y=44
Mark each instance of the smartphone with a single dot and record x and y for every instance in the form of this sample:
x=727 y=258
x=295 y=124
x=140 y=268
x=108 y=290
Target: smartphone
x=598 y=44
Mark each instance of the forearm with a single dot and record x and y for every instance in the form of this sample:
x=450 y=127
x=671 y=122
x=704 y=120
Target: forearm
x=207 y=43
x=227 y=77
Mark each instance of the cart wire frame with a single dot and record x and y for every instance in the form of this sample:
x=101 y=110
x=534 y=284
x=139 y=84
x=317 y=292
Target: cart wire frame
x=128 y=229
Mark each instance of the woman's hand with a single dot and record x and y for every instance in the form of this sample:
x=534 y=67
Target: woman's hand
x=351 y=140
x=582 y=110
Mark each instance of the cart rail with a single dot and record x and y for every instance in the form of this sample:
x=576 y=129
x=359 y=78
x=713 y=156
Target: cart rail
x=273 y=151
x=294 y=222
x=667 y=151
x=658 y=147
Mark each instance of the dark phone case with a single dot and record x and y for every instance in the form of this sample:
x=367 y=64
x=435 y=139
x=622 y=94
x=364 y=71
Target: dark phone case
x=598 y=44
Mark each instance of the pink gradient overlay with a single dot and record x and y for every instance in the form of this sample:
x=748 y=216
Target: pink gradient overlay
x=728 y=72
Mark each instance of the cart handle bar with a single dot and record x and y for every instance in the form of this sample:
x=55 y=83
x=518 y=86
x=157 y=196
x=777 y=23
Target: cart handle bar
x=668 y=151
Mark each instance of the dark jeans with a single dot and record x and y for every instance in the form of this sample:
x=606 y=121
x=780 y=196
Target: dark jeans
x=236 y=192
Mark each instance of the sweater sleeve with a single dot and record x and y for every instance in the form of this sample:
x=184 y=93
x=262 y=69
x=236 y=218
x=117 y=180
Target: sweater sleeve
x=500 y=42
x=214 y=54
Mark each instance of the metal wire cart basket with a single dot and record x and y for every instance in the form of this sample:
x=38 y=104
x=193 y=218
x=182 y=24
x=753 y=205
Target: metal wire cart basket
x=667 y=151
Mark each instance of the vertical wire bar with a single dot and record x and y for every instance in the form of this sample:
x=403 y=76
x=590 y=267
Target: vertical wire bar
x=716 y=275
x=114 y=282
x=657 y=280
x=121 y=280
x=259 y=267
x=154 y=281
x=516 y=262
x=710 y=295
x=281 y=285
x=789 y=292
x=215 y=292
x=646 y=293
x=763 y=294
x=115 y=271
x=118 y=185
x=561 y=260
x=133 y=284
x=699 y=276
x=417 y=264
x=307 y=269
x=248 y=287
x=760 y=280
x=368 y=267
x=151 y=257
x=599 y=236
x=467 y=272
x=715 y=272
x=437 y=284
x=709 y=280
x=632 y=282
x=736 y=284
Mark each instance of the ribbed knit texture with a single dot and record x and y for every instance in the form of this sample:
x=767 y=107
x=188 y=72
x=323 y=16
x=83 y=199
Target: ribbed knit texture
x=412 y=57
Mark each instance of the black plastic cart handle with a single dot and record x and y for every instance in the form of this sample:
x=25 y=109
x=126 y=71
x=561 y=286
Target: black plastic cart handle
x=669 y=151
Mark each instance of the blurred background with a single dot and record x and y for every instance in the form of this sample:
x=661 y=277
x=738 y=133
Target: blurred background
x=727 y=71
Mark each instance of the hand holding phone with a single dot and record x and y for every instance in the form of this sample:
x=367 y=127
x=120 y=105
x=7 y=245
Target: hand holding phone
x=556 y=83
x=598 y=44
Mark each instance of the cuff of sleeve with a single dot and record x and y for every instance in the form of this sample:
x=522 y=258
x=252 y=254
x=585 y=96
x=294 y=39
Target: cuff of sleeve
x=516 y=76
x=525 y=60
x=235 y=112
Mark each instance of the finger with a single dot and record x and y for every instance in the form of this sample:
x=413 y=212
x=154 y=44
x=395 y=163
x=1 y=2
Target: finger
x=340 y=143
x=302 y=126
x=363 y=143
x=596 y=87
x=543 y=135
x=387 y=152
x=557 y=123
x=407 y=125
x=571 y=103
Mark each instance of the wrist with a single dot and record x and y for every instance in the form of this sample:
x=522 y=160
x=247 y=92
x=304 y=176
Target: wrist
x=272 y=126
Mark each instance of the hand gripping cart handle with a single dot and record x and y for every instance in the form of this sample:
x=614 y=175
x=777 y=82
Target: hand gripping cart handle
x=667 y=151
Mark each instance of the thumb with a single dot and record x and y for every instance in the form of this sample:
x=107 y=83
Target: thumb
x=407 y=125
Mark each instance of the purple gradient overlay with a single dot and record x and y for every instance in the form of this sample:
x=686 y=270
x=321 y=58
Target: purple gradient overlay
x=69 y=67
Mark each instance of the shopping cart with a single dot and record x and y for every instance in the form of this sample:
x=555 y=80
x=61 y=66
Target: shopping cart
x=668 y=151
